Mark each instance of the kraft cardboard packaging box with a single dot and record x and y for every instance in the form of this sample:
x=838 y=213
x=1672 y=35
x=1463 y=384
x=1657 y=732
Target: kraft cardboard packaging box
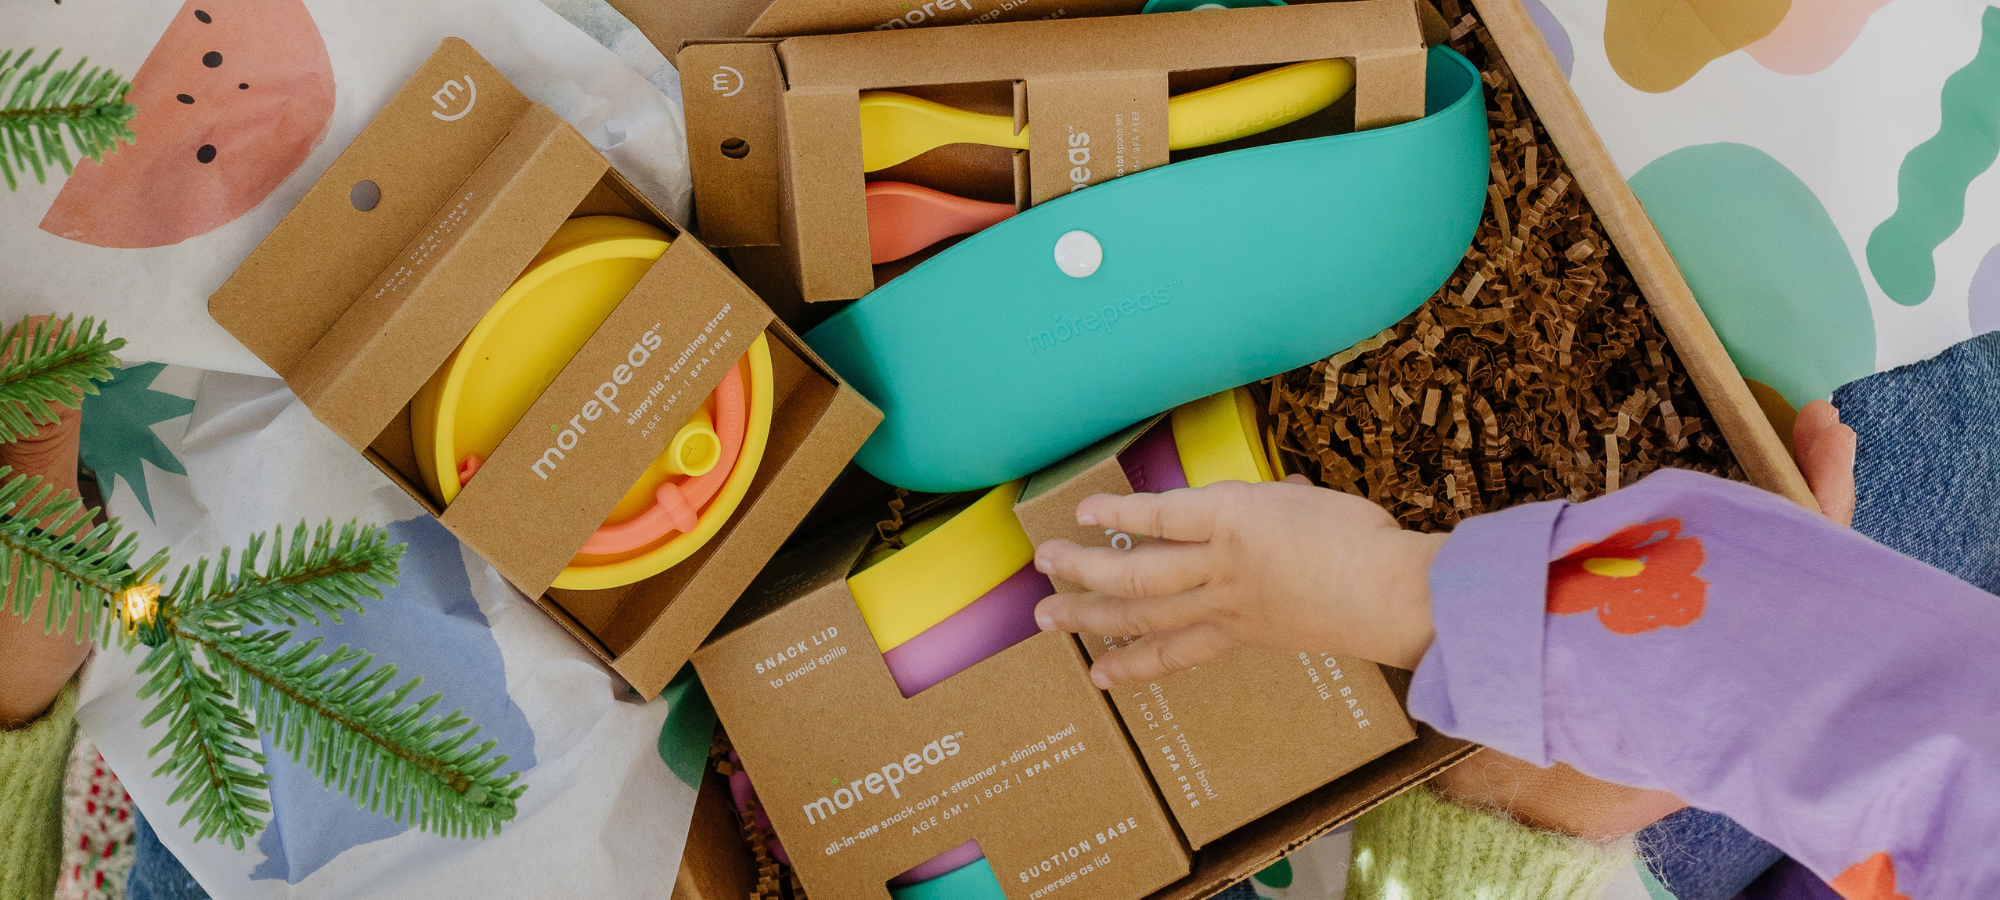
x=366 y=288
x=1018 y=751
x=774 y=128
x=1239 y=737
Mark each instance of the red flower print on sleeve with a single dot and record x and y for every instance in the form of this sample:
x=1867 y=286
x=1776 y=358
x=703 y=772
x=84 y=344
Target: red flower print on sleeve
x=1638 y=579
x=1873 y=878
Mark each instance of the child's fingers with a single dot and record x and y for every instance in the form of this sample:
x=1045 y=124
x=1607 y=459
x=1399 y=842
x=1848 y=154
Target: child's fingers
x=1155 y=656
x=1829 y=473
x=1825 y=451
x=1094 y=613
x=1188 y=514
x=1812 y=421
x=1154 y=569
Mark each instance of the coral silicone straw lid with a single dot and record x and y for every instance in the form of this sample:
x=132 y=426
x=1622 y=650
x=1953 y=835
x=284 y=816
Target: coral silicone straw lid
x=588 y=572
x=943 y=571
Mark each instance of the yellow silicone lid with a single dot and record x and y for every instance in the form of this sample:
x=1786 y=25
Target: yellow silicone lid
x=587 y=573
x=943 y=570
x=525 y=340
x=1219 y=439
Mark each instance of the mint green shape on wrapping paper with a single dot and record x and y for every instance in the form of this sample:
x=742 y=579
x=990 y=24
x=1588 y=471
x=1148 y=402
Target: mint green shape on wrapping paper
x=1654 y=889
x=118 y=433
x=689 y=729
x=1767 y=265
x=1931 y=185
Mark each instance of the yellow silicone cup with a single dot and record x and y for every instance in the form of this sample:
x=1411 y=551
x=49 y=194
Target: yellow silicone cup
x=943 y=570
x=1219 y=439
x=524 y=341
x=588 y=573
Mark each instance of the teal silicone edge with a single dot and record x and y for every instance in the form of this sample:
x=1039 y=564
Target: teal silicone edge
x=989 y=363
x=973 y=881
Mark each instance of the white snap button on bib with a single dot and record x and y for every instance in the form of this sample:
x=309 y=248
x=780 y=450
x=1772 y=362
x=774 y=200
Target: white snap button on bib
x=1078 y=254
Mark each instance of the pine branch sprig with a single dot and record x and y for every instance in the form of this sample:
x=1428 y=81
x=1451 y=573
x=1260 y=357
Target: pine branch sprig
x=315 y=581
x=39 y=104
x=209 y=744
x=81 y=570
x=332 y=714
x=330 y=711
x=48 y=361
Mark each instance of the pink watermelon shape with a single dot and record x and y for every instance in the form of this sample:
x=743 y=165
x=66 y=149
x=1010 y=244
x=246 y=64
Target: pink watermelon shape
x=232 y=99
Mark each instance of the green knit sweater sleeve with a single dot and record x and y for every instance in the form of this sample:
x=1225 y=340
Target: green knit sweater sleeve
x=1421 y=847
x=31 y=782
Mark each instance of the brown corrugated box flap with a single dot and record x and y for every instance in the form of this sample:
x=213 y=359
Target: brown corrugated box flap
x=403 y=326
x=318 y=260
x=731 y=92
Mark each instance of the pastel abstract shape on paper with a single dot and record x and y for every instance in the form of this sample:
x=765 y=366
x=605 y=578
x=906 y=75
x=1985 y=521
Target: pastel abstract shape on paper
x=1552 y=33
x=1767 y=265
x=1657 y=45
x=231 y=100
x=1984 y=297
x=118 y=438
x=428 y=624
x=689 y=730
x=1279 y=874
x=1930 y=187
x=1813 y=34
x=1873 y=878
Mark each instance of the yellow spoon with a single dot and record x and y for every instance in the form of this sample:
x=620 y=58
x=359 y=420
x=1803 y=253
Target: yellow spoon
x=896 y=127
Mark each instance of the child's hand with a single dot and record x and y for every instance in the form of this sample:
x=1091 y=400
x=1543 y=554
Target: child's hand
x=1284 y=566
x=1825 y=451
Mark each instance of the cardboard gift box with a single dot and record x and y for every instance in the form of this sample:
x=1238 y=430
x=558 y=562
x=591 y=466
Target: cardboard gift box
x=776 y=140
x=1730 y=407
x=400 y=249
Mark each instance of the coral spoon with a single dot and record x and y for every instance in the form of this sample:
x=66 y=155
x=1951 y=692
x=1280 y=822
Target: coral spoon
x=896 y=127
x=904 y=218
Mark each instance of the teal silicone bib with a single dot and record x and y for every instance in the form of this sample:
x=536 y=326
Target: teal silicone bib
x=993 y=359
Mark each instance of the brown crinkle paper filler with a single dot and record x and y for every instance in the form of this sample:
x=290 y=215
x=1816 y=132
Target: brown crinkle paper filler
x=775 y=880
x=1537 y=372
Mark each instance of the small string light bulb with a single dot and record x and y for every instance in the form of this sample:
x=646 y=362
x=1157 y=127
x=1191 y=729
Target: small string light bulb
x=139 y=605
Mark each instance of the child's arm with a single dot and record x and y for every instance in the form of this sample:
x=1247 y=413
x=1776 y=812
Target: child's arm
x=1689 y=634
x=1838 y=699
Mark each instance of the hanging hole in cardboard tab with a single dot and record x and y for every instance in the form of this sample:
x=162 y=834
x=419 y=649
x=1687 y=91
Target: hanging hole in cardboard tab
x=735 y=148
x=364 y=196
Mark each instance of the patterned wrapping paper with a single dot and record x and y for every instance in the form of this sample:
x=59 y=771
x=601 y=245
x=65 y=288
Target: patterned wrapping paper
x=199 y=455
x=1821 y=169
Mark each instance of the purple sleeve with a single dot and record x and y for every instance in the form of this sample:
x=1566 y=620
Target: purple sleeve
x=1707 y=638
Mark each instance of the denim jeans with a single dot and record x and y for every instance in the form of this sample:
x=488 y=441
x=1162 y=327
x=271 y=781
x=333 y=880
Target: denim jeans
x=1928 y=470
x=156 y=874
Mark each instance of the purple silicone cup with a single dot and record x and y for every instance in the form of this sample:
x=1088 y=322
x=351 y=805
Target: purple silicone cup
x=1153 y=462
x=742 y=792
x=951 y=860
x=1001 y=618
